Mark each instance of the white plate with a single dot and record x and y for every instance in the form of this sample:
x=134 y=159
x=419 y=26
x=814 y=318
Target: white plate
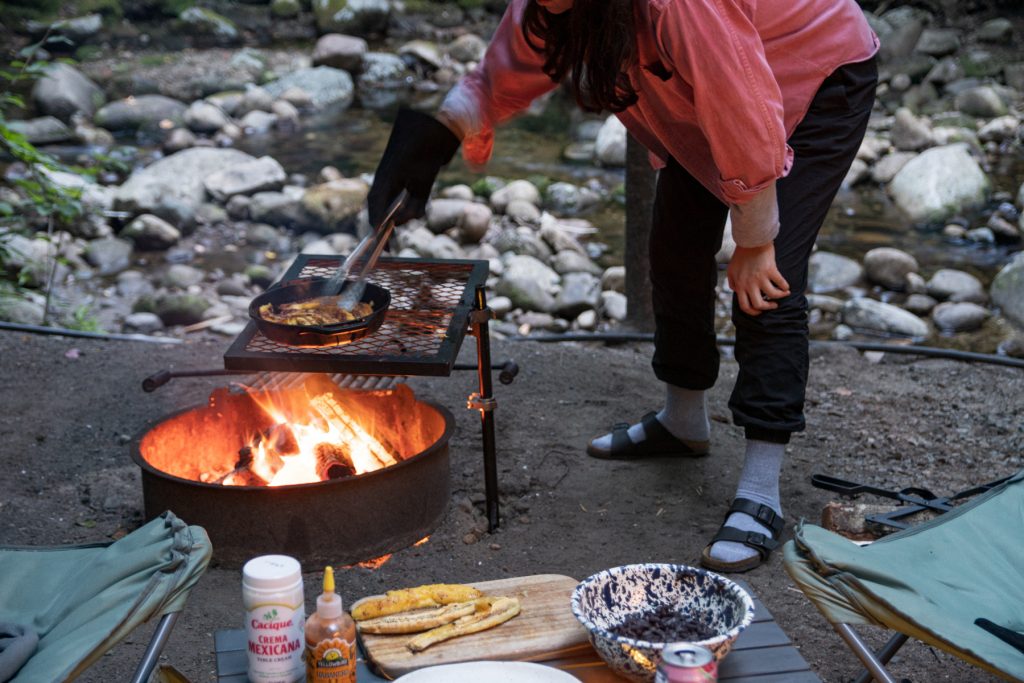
x=491 y=672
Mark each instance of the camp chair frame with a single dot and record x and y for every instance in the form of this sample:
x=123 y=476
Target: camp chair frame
x=155 y=647
x=854 y=586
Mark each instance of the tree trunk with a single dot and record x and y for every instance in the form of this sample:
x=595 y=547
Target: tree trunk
x=639 y=206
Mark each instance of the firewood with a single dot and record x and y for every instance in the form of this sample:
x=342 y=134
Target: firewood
x=332 y=411
x=332 y=461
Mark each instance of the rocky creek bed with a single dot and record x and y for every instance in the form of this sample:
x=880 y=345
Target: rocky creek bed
x=191 y=214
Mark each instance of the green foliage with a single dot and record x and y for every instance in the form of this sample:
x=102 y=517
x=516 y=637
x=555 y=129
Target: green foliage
x=483 y=187
x=111 y=9
x=82 y=319
x=13 y=12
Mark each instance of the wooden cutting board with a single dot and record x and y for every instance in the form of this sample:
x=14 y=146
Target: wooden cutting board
x=545 y=628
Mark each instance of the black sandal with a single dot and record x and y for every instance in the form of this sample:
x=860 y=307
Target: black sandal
x=764 y=545
x=658 y=441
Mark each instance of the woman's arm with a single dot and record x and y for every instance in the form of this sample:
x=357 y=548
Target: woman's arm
x=506 y=81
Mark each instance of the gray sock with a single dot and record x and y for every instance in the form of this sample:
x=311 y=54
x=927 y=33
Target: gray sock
x=685 y=416
x=759 y=482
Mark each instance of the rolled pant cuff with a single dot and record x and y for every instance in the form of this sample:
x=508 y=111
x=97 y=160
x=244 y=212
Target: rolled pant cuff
x=758 y=433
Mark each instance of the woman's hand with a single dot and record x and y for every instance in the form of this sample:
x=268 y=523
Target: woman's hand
x=756 y=279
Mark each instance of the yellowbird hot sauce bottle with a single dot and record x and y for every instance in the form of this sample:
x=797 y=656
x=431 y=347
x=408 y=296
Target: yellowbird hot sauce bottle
x=330 y=639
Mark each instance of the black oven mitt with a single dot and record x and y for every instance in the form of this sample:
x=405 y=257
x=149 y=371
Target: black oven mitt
x=417 y=149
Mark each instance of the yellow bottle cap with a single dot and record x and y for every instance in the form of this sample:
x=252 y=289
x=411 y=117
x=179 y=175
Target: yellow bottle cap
x=328 y=580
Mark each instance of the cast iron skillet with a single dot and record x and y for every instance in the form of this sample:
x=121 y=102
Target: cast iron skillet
x=318 y=335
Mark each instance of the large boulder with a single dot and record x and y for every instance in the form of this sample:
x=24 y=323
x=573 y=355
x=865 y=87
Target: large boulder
x=176 y=179
x=874 y=316
x=357 y=17
x=1008 y=290
x=145 y=112
x=64 y=91
x=938 y=183
x=325 y=85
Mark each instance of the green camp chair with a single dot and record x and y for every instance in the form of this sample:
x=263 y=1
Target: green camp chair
x=955 y=582
x=82 y=600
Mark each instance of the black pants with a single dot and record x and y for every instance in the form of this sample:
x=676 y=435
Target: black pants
x=771 y=348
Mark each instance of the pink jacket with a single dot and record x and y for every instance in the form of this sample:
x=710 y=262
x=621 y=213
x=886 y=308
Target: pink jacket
x=722 y=84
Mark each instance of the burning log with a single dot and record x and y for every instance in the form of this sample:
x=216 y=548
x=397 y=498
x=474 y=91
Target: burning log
x=331 y=410
x=333 y=461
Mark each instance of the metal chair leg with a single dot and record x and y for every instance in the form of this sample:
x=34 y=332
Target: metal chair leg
x=884 y=655
x=156 y=646
x=876 y=668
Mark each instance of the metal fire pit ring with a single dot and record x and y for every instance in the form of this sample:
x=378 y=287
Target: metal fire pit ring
x=339 y=521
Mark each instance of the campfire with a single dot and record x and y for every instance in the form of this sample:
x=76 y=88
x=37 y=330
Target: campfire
x=313 y=433
x=270 y=470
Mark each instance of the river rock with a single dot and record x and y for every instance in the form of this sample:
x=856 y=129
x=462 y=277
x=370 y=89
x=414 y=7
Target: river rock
x=1014 y=75
x=202 y=22
x=108 y=255
x=467 y=48
x=357 y=17
x=956 y=285
x=517 y=189
x=283 y=209
x=257 y=122
x=474 y=222
x=182 y=276
x=178 y=177
x=874 y=316
x=565 y=233
x=1000 y=129
x=179 y=139
x=889 y=267
x=63 y=91
x=902 y=40
x=983 y=102
x=42 y=131
x=888 y=166
x=910 y=133
x=149 y=232
x=566 y=198
x=858 y=172
x=613 y=305
x=945 y=71
x=828 y=272
x=423 y=51
x=982 y=235
x=174 y=309
x=872 y=148
x=614 y=279
x=205 y=117
x=443 y=247
x=444 y=214
x=145 y=112
x=1003 y=231
x=529 y=283
x=334 y=206
x=919 y=304
x=325 y=85
x=75 y=30
x=580 y=292
x=569 y=261
x=610 y=146
x=1008 y=290
x=340 y=52
x=938 y=42
x=255 y=98
x=523 y=211
x=417 y=238
x=999 y=30
x=460 y=191
x=248 y=177
x=21 y=310
x=285 y=9
x=938 y=183
x=959 y=317
x=523 y=241
x=142 y=323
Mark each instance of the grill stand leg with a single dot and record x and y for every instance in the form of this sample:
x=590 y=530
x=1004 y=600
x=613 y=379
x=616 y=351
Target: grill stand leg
x=485 y=403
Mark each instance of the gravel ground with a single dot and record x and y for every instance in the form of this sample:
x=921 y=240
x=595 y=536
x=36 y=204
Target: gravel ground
x=72 y=405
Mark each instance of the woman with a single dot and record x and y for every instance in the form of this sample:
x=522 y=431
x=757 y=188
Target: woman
x=749 y=107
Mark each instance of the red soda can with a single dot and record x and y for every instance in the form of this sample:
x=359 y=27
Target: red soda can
x=686 y=663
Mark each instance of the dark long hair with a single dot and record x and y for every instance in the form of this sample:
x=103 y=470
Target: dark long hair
x=594 y=42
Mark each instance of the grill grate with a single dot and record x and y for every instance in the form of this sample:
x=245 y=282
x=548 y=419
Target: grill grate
x=421 y=334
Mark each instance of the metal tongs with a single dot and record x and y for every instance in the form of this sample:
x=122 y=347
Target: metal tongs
x=351 y=274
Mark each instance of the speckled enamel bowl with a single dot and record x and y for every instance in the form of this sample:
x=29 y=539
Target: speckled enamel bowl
x=603 y=601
